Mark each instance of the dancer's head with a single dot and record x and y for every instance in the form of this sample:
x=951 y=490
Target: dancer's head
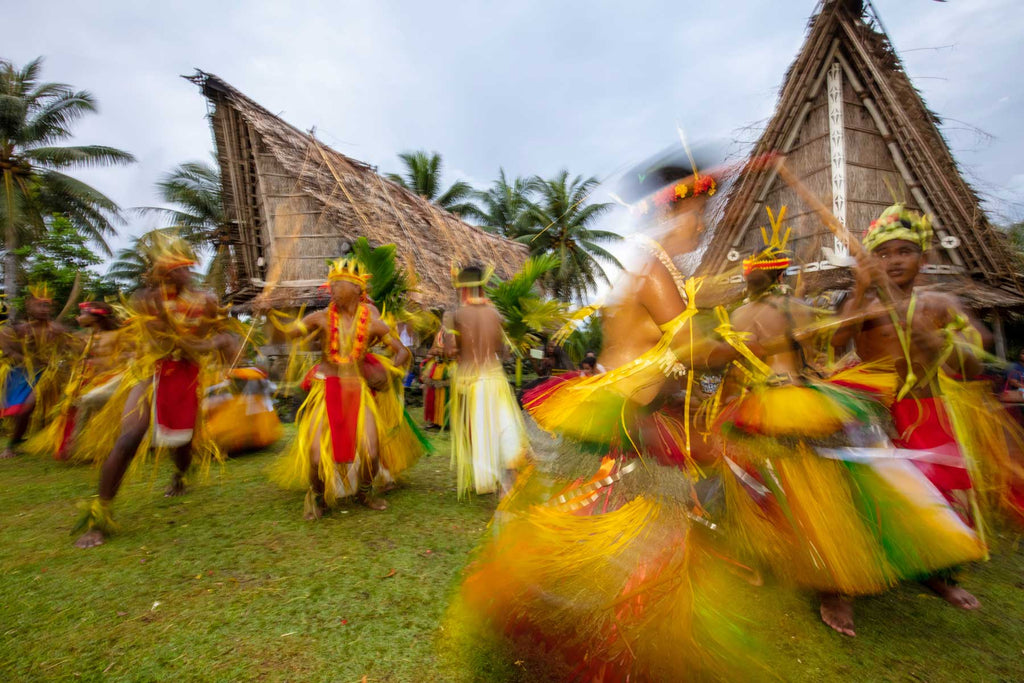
x=96 y=314
x=767 y=267
x=470 y=280
x=171 y=259
x=900 y=238
x=668 y=194
x=348 y=280
x=39 y=302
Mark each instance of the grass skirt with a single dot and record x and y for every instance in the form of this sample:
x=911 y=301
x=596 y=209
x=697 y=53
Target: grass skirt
x=488 y=434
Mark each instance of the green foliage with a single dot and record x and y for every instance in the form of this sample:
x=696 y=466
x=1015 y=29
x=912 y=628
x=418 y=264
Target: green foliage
x=562 y=216
x=525 y=313
x=59 y=255
x=35 y=117
x=506 y=209
x=423 y=177
x=589 y=337
x=390 y=284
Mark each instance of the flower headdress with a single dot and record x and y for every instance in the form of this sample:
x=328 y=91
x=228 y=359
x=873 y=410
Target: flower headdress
x=40 y=291
x=459 y=280
x=774 y=255
x=348 y=269
x=96 y=308
x=167 y=252
x=899 y=223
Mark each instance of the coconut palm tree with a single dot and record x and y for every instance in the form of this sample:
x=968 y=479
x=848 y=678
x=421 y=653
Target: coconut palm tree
x=526 y=313
x=194 y=188
x=129 y=266
x=562 y=219
x=35 y=117
x=505 y=208
x=423 y=176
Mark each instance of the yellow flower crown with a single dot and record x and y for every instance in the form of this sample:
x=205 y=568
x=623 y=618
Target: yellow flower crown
x=168 y=251
x=486 y=273
x=774 y=255
x=348 y=269
x=40 y=291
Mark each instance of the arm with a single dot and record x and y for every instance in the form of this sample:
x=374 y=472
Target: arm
x=400 y=354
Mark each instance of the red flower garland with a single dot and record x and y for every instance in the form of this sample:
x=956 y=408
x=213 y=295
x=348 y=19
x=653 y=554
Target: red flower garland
x=359 y=336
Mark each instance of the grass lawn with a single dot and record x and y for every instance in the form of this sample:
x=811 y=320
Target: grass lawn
x=229 y=584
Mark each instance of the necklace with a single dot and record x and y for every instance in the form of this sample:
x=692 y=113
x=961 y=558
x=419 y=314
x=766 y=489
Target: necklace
x=357 y=337
x=658 y=251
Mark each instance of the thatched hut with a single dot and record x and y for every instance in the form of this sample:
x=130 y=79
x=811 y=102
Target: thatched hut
x=856 y=132
x=291 y=203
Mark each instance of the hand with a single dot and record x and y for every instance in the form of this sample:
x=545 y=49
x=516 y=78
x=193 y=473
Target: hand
x=869 y=272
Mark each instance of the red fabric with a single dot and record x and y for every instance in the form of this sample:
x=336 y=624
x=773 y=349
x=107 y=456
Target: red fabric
x=428 y=405
x=307 y=381
x=344 y=403
x=65 y=438
x=177 y=394
x=922 y=424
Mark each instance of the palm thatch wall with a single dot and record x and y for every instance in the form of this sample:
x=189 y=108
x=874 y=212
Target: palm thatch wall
x=856 y=132
x=292 y=203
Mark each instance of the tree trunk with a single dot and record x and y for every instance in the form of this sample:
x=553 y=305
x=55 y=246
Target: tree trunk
x=10 y=243
x=519 y=372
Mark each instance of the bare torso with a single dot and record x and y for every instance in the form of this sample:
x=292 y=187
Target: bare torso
x=479 y=340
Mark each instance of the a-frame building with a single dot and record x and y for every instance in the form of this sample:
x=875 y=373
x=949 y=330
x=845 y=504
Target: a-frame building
x=856 y=131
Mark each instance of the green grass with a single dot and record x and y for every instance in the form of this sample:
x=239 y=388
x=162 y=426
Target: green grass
x=229 y=583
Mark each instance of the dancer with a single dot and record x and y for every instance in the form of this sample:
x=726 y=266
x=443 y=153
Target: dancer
x=336 y=451
x=30 y=376
x=489 y=439
x=915 y=331
x=94 y=379
x=179 y=332
x=598 y=564
x=435 y=379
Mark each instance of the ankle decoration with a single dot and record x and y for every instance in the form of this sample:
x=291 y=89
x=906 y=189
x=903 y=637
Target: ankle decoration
x=95 y=515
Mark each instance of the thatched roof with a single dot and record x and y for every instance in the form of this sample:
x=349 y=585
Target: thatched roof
x=292 y=203
x=855 y=137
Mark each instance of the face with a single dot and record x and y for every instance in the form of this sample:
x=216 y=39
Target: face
x=38 y=309
x=343 y=291
x=902 y=259
x=87 y=320
x=679 y=225
x=179 y=277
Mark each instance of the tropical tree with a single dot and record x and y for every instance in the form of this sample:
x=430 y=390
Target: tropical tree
x=129 y=266
x=35 y=117
x=506 y=208
x=423 y=176
x=563 y=217
x=194 y=188
x=526 y=313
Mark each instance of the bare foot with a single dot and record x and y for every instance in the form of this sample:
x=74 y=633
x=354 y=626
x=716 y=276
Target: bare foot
x=953 y=594
x=837 y=612
x=90 y=539
x=314 y=512
x=177 y=487
x=8 y=454
x=373 y=503
x=390 y=486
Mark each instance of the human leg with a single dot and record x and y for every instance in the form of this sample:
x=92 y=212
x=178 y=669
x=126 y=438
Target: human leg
x=134 y=423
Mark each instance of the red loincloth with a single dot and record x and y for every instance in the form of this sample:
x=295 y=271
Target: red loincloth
x=922 y=424
x=175 y=402
x=343 y=396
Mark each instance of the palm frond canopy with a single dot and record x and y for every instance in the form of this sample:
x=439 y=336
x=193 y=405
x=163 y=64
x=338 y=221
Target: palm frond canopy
x=291 y=203
x=36 y=116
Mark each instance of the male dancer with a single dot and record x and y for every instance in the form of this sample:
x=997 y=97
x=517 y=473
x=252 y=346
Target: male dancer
x=488 y=436
x=896 y=321
x=336 y=452
x=33 y=348
x=181 y=330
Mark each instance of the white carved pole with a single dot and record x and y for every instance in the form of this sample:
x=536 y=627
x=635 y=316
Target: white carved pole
x=837 y=148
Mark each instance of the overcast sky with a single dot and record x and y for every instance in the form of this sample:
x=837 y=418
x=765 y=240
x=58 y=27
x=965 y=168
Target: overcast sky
x=533 y=86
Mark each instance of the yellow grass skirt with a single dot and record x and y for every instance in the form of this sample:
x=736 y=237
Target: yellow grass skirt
x=488 y=433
